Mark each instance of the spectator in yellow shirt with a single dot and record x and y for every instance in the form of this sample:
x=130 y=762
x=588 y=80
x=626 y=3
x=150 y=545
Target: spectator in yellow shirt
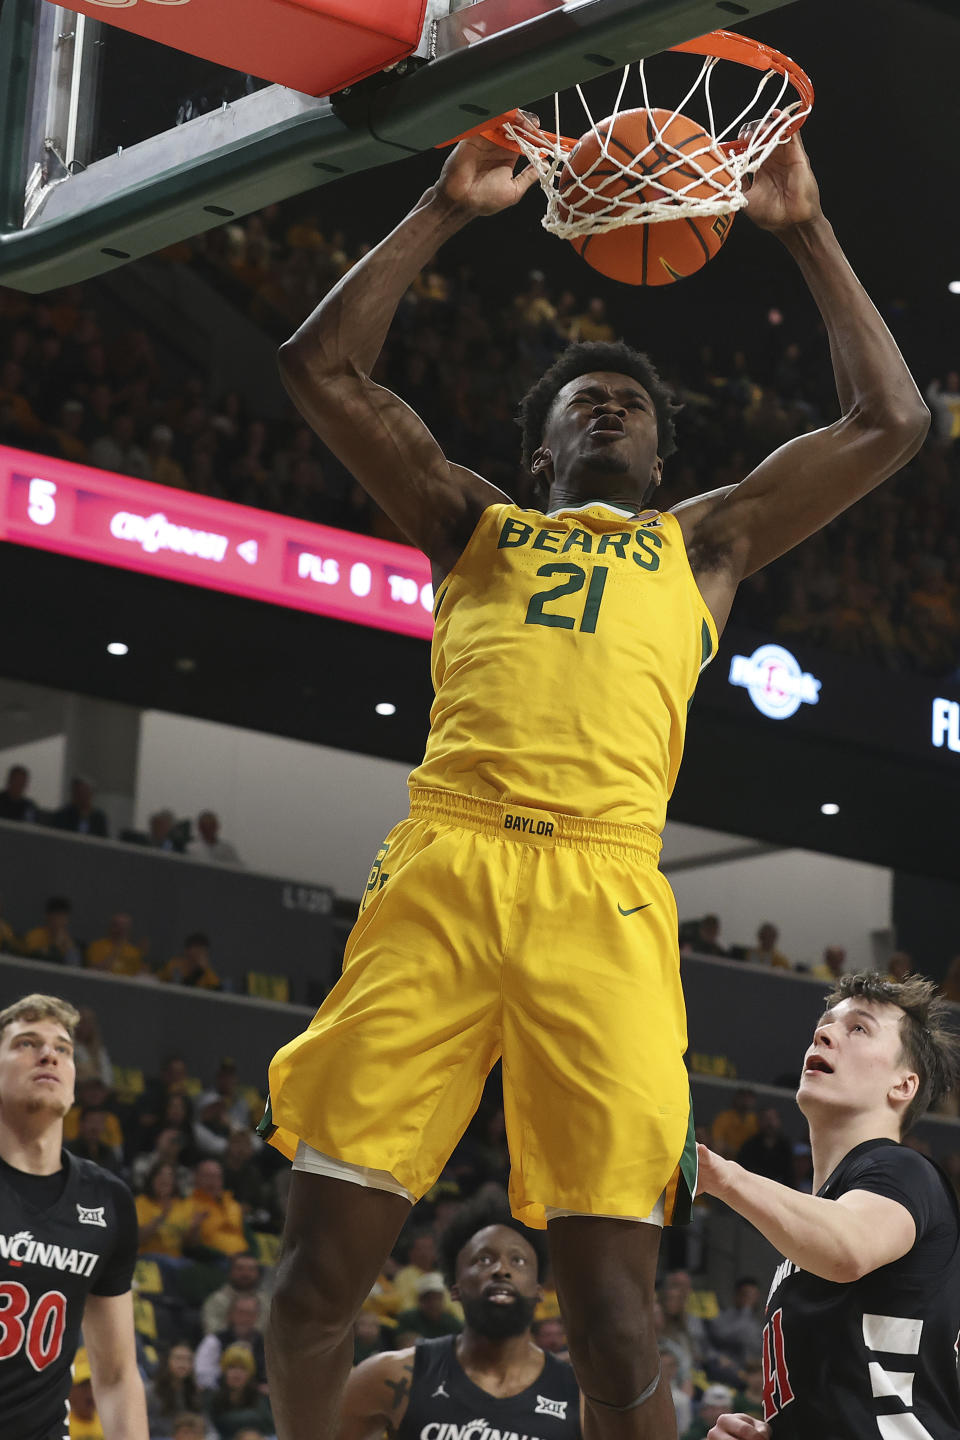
x=8 y=941
x=216 y=1217
x=731 y=1128
x=165 y=1219
x=52 y=940
x=92 y=1094
x=193 y=966
x=833 y=964
x=593 y=323
x=765 y=951
x=115 y=951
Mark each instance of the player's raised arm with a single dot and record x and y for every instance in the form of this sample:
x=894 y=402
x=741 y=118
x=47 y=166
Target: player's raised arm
x=810 y=480
x=375 y=1400
x=326 y=365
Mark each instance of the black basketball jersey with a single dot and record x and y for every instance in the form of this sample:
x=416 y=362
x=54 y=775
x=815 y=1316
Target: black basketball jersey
x=62 y=1237
x=445 y=1404
x=878 y=1356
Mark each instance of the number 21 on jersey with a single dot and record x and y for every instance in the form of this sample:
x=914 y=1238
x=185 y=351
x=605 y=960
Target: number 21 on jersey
x=776 y=1377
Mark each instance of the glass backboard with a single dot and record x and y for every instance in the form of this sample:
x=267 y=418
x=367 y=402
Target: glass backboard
x=114 y=146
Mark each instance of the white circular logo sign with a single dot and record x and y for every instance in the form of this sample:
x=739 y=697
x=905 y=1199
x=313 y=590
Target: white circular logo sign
x=775 y=681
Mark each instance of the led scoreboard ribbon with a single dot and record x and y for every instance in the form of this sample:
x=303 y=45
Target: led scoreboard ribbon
x=136 y=525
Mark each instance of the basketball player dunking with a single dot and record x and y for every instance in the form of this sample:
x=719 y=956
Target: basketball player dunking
x=864 y=1312
x=519 y=910
x=494 y=1369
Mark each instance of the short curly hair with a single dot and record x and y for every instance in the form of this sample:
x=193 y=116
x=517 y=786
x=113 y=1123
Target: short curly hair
x=479 y=1214
x=583 y=359
x=928 y=1040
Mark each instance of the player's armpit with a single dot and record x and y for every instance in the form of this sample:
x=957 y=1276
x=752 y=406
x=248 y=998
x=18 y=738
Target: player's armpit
x=881 y=1230
x=392 y=454
x=376 y=1396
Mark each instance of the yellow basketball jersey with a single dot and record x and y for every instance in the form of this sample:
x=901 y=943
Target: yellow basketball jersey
x=565 y=657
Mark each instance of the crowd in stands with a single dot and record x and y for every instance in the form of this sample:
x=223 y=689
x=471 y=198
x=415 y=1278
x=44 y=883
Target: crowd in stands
x=882 y=582
x=117 y=952
x=210 y=1199
x=113 y=953
x=702 y=937
x=81 y=816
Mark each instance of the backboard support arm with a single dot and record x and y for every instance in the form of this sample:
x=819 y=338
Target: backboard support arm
x=480 y=60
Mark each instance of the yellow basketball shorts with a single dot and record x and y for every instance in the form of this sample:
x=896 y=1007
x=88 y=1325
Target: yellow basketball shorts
x=488 y=930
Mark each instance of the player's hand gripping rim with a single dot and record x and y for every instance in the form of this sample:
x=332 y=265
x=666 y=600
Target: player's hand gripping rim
x=783 y=193
x=482 y=178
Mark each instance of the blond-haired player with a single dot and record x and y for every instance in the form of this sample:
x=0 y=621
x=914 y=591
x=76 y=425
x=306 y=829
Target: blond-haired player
x=68 y=1244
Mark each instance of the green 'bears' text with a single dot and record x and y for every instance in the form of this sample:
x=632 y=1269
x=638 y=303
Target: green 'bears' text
x=642 y=545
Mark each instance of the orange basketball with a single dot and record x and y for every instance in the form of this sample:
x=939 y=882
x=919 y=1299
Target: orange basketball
x=592 y=181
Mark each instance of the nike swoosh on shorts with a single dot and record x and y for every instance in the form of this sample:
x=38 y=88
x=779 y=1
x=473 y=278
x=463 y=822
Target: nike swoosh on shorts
x=635 y=908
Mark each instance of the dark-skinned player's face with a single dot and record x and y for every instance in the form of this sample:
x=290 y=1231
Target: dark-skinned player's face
x=601 y=432
x=497 y=1282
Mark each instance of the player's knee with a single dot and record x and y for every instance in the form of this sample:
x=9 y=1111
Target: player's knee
x=614 y=1352
x=309 y=1295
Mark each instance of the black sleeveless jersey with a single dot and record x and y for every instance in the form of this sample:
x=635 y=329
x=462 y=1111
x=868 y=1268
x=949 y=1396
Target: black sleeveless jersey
x=878 y=1356
x=55 y=1250
x=445 y=1404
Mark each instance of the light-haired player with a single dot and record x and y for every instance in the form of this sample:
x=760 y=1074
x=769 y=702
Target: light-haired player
x=68 y=1244
x=864 y=1312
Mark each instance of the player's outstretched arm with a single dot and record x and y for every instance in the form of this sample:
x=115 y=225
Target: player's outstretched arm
x=326 y=365
x=376 y=1397
x=111 y=1347
x=840 y=1240
x=807 y=482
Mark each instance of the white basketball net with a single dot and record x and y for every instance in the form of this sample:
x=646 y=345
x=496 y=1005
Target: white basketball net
x=579 y=209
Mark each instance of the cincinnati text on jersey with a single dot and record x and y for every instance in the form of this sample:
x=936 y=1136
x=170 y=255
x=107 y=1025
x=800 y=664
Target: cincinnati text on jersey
x=472 y=1430
x=23 y=1249
x=785 y=1268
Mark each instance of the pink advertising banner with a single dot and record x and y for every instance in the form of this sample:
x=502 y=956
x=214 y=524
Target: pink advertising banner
x=136 y=525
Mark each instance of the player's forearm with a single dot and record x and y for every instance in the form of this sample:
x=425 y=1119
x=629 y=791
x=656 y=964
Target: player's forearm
x=812 y=1232
x=347 y=330
x=122 y=1407
x=871 y=375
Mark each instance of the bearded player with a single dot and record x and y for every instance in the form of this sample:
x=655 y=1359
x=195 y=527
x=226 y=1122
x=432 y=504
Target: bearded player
x=519 y=910
x=494 y=1369
x=864 y=1312
x=68 y=1244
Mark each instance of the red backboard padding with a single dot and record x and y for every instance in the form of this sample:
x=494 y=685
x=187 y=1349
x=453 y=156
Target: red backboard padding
x=316 y=46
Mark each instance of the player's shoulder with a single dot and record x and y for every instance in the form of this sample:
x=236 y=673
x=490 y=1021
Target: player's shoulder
x=387 y=1374
x=888 y=1159
x=99 y=1189
x=92 y=1176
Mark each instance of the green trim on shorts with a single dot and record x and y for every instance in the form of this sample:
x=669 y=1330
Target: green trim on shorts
x=266 y=1127
x=687 y=1179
